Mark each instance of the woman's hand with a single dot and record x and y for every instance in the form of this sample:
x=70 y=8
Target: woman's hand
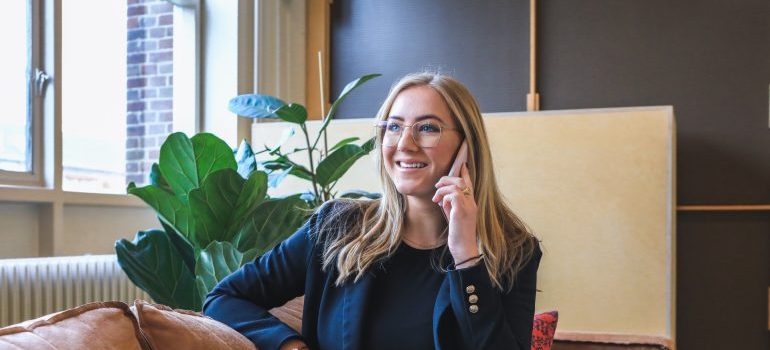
x=455 y=196
x=294 y=344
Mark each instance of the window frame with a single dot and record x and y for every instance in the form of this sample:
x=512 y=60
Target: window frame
x=33 y=177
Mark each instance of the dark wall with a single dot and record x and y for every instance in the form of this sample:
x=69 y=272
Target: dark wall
x=710 y=59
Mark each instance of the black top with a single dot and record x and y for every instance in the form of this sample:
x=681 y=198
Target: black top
x=402 y=301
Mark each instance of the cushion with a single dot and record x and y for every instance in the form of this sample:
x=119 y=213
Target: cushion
x=100 y=325
x=291 y=313
x=543 y=329
x=166 y=328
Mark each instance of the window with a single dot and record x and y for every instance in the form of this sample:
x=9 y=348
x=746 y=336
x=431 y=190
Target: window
x=117 y=92
x=21 y=82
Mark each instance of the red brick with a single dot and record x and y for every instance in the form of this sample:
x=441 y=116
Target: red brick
x=166 y=44
x=132 y=142
x=149 y=93
x=136 y=10
x=163 y=56
x=161 y=105
x=135 y=154
x=148 y=21
x=132 y=22
x=157 y=129
x=166 y=68
x=158 y=81
x=170 y=31
x=149 y=117
x=136 y=82
x=166 y=92
x=150 y=141
x=157 y=32
x=154 y=154
x=166 y=116
x=149 y=69
x=166 y=20
x=136 y=58
x=135 y=106
x=132 y=167
x=133 y=70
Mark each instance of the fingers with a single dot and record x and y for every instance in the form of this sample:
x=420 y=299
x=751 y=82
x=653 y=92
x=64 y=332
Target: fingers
x=463 y=180
x=444 y=191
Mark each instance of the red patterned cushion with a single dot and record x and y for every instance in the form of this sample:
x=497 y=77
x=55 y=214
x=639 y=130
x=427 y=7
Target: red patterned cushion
x=543 y=329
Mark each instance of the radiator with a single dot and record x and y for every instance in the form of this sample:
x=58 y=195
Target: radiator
x=34 y=287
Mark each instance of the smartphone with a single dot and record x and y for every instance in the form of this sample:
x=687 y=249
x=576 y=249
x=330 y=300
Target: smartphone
x=460 y=159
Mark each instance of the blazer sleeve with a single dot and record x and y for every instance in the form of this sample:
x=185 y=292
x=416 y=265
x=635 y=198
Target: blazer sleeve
x=242 y=299
x=502 y=320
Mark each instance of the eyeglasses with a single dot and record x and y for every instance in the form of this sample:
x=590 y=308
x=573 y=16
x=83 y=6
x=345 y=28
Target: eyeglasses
x=425 y=134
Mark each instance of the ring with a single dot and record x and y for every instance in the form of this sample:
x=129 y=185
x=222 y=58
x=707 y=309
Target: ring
x=466 y=191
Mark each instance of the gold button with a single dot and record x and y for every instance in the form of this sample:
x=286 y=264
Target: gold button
x=470 y=289
x=473 y=298
x=473 y=309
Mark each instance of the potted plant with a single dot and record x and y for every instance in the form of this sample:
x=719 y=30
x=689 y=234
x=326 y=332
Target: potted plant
x=213 y=205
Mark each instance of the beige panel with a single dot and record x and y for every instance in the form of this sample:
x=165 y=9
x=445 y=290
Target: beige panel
x=597 y=187
x=19 y=232
x=94 y=229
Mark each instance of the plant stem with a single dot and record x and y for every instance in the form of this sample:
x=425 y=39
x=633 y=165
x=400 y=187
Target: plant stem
x=310 y=157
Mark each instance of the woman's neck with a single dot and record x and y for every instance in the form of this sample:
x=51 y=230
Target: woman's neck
x=423 y=223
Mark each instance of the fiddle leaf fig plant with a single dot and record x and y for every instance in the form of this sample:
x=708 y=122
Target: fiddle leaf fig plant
x=213 y=205
x=324 y=165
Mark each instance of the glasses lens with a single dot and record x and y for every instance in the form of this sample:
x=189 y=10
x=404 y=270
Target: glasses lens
x=426 y=134
x=391 y=133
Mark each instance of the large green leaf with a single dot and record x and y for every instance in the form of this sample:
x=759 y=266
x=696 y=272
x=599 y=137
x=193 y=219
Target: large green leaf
x=156 y=178
x=169 y=208
x=337 y=163
x=356 y=194
x=249 y=198
x=255 y=106
x=182 y=245
x=177 y=164
x=273 y=221
x=343 y=143
x=212 y=206
x=345 y=91
x=216 y=262
x=244 y=157
x=211 y=154
x=154 y=265
x=293 y=113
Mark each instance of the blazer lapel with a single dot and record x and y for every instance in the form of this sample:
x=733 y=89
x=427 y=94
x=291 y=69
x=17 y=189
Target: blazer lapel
x=354 y=309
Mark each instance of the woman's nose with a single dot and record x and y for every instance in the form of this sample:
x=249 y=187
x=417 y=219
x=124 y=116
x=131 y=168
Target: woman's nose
x=406 y=142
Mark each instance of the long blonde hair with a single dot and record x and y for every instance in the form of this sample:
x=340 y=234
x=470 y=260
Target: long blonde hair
x=359 y=233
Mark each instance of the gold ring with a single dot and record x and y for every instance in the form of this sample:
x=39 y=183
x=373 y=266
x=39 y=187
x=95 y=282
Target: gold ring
x=466 y=191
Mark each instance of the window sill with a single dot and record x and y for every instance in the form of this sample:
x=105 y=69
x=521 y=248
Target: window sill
x=19 y=194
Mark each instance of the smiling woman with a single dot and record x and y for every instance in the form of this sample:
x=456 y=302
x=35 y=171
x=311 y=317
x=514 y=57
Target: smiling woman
x=445 y=250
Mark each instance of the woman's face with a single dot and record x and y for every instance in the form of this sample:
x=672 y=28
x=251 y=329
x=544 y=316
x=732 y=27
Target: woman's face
x=415 y=170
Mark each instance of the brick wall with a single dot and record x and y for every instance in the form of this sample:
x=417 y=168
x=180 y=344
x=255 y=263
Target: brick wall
x=149 y=116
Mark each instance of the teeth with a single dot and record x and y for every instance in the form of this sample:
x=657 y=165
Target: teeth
x=412 y=165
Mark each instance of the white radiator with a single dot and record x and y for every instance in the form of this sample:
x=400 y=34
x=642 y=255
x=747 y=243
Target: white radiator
x=31 y=288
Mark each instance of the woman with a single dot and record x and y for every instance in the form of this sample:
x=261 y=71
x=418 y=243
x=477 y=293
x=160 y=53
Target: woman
x=439 y=261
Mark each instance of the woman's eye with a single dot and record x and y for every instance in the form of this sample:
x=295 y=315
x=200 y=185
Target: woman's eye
x=429 y=128
x=393 y=127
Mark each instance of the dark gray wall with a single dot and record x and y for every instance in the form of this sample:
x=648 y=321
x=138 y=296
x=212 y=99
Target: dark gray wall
x=710 y=59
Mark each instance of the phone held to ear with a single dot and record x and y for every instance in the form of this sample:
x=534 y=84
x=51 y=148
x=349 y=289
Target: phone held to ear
x=460 y=159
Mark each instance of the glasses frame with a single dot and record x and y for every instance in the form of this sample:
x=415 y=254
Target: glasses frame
x=382 y=126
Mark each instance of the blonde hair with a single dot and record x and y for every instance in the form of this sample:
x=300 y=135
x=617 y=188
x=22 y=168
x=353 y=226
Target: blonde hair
x=359 y=233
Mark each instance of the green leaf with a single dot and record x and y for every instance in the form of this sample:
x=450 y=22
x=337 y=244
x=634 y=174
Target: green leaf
x=177 y=164
x=156 y=178
x=169 y=207
x=215 y=262
x=369 y=145
x=255 y=106
x=355 y=194
x=273 y=221
x=212 y=207
x=211 y=154
x=181 y=244
x=154 y=265
x=345 y=91
x=249 y=198
x=343 y=142
x=335 y=165
x=244 y=157
x=276 y=177
x=349 y=88
x=293 y=113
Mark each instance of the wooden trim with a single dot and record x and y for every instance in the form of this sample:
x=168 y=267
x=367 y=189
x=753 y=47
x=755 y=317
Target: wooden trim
x=613 y=338
x=533 y=98
x=318 y=23
x=726 y=207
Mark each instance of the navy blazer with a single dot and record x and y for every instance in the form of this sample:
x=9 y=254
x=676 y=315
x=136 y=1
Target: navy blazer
x=335 y=315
